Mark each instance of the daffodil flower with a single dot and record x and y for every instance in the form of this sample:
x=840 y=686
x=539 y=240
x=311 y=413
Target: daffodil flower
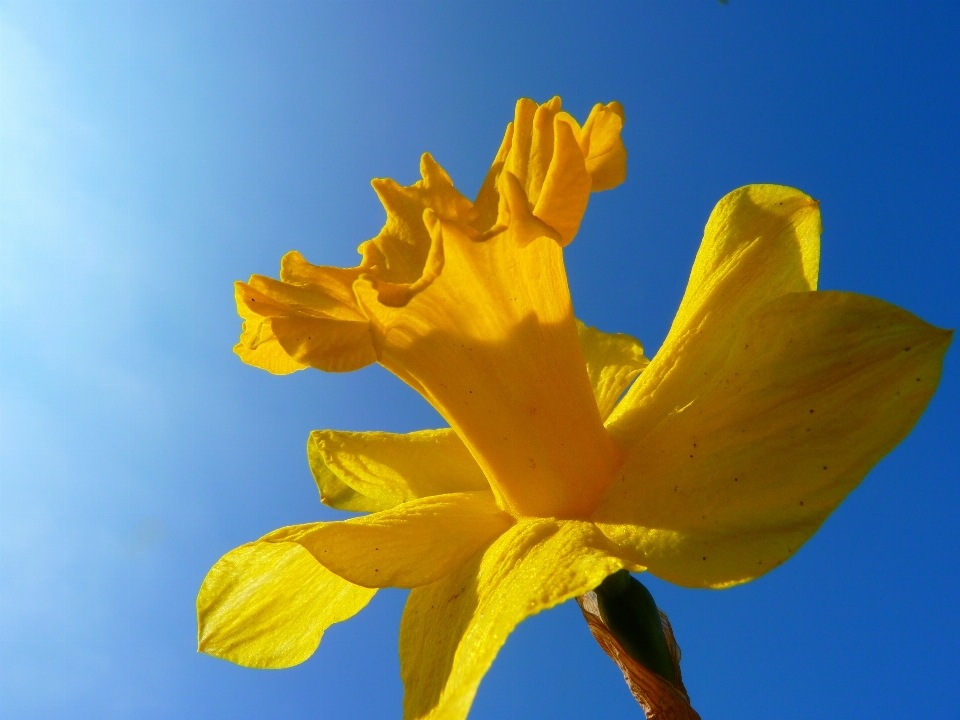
x=569 y=456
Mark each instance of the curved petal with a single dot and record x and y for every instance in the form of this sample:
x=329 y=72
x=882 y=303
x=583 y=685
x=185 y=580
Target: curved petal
x=532 y=167
x=413 y=544
x=399 y=252
x=788 y=414
x=289 y=326
x=371 y=471
x=556 y=163
x=761 y=242
x=613 y=362
x=602 y=146
x=258 y=346
x=266 y=605
x=562 y=200
x=515 y=216
x=530 y=144
x=486 y=205
x=452 y=630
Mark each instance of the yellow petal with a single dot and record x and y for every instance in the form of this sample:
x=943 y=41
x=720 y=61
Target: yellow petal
x=399 y=252
x=602 y=146
x=566 y=189
x=515 y=215
x=258 y=345
x=542 y=148
x=522 y=149
x=371 y=471
x=313 y=323
x=613 y=362
x=760 y=429
x=452 y=630
x=486 y=205
x=556 y=163
x=761 y=242
x=266 y=605
x=413 y=544
x=492 y=344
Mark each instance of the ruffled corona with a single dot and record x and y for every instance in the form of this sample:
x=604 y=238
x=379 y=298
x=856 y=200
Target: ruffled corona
x=468 y=303
x=311 y=318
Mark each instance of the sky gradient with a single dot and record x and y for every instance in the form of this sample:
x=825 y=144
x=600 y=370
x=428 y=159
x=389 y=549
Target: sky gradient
x=153 y=153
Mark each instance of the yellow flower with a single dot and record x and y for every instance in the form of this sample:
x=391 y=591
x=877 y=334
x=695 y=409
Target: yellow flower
x=766 y=405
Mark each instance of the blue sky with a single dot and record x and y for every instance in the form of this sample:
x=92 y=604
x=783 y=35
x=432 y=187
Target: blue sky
x=152 y=153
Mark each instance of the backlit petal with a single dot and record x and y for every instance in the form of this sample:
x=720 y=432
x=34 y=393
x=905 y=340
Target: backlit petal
x=566 y=189
x=314 y=323
x=371 y=471
x=452 y=630
x=539 y=153
x=762 y=429
x=613 y=362
x=266 y=605
x=399 y=252
x=258 y=345
x=413 y=544
x=602 y=146
x=532 y=167
x=760 y=243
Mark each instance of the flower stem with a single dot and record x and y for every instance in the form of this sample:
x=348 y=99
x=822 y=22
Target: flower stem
x=660 y=698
